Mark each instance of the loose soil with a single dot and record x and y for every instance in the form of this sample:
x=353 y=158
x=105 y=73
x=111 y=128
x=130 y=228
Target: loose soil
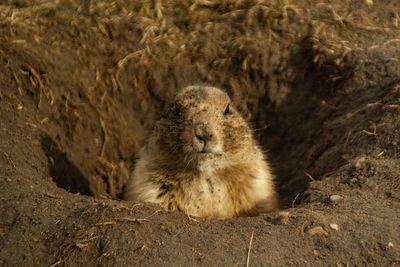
x=82 y=83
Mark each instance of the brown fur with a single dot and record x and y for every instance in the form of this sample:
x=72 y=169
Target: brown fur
x=202 y=159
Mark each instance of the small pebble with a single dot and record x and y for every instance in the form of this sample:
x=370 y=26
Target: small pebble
x=318 y=231
x=335 y=198
x=353 y=180
x=369 y=2
x=334 y=226
x=360 y=163
x=390 y=245
x=283 y=217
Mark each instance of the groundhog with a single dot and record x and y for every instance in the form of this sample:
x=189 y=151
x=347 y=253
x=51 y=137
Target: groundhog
x=201 y=158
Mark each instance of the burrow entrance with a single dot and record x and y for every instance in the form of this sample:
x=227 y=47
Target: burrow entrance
x=281 y=75
x=320 y=125
x=290 y=133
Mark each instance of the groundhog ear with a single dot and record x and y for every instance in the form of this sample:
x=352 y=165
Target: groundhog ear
x=227 y=110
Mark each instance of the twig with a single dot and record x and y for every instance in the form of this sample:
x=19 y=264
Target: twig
x=294 y=201
x=52 y=196
x=9 y=159
x=136 y=220
x=122 y=63
x=248 y=252
x=154 y=213
x=18 y=82
x=106 y=223
x=391 y=107
x=132 y=220
x=346 y=142
x=302 y=227
x=309 y=176
x=368 y=132
x=105 y=139
x=191 y=219
x=56 y=263
x=38 y=82
x=130 y=56
x=36 y=76
x=114 y=82
x=391 y=42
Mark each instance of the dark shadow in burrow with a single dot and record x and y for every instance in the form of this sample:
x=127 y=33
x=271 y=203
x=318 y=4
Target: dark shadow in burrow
x=62 y=170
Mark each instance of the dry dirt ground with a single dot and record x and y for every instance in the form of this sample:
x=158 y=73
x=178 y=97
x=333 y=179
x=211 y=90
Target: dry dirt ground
x=82 y=82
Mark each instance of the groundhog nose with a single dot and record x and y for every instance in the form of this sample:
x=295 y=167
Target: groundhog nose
x=203 y=134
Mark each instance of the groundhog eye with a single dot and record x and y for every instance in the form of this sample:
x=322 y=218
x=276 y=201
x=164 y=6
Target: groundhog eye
x=227 y=110
x=176 y=110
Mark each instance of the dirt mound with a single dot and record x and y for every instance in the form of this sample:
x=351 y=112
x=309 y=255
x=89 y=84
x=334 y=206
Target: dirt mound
x=82 y=83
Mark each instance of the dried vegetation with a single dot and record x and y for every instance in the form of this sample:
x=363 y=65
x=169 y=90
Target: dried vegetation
x=318 y=80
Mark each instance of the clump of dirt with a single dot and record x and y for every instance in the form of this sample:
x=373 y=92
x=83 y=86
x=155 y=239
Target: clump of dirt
x=82 y=83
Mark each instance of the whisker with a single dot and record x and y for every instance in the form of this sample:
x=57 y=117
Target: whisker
x=190 y=160
x=259 y=129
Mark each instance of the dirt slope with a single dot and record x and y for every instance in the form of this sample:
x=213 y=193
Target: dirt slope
x=82 y=82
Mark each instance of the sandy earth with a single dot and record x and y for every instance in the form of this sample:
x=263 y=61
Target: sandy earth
x=82 y=82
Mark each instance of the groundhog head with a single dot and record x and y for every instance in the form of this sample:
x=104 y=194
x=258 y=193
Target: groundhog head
x=201 y=125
